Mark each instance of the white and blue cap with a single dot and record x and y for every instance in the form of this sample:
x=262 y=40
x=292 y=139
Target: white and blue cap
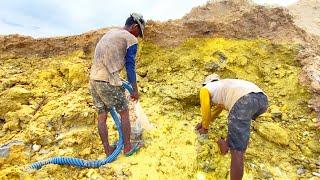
x=139 y=19
x=211 y=78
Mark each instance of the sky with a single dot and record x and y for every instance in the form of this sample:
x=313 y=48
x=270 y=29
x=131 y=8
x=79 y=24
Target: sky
x=47 y=18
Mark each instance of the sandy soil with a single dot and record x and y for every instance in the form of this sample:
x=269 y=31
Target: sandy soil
x=306 y=14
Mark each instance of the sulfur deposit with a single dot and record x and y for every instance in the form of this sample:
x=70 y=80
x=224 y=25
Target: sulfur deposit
x=46 y=110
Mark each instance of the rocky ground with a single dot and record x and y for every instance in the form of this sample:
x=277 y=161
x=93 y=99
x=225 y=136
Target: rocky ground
x=46 y=109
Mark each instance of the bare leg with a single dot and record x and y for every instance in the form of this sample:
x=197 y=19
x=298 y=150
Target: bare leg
x=126 y=129
x=236 y=172
x=103 y=132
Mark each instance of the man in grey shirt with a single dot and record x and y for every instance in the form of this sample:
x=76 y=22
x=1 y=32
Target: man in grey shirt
x=115 y=51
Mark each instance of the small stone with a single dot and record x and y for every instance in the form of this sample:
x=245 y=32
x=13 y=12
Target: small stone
x=300 y=171
x=306 y=133
x=202 y=137
x=285 y=117
x=212 y=66
x=292 y=146
x=306 y=151
x=36 y=147
x=316 y=174
x=143 y=73
x=43 y=151
x=188 y=142
x=85 y=152
x=303 y=120
x=266 y=174
x=314 y=146
x=134 y=163
x=145 y=89
x=201 y=176
x=85 y=114
x=312 y=166
x=2 y=133
x=275 y=112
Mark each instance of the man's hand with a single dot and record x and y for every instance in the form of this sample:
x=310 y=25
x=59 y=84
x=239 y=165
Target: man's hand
x=135 y=95
x=200 y=129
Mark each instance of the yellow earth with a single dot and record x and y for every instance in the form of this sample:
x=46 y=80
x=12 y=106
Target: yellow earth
x=46 y=110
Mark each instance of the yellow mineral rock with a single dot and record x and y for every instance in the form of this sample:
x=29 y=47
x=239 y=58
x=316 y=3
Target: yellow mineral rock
x=274 y=133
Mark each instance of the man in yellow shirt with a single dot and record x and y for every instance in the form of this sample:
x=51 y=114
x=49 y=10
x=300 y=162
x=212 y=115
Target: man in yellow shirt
x=245 y=101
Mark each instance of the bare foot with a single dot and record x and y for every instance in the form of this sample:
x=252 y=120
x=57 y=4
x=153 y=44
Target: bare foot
x=133 y=149
x=127 y=148
x=223 y=146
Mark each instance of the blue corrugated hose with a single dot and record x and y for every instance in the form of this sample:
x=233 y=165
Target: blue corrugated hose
x=93 y=163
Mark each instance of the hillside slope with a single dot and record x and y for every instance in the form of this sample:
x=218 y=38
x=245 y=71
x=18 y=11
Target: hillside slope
x=46 y=109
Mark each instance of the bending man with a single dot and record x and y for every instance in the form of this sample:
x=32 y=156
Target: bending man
x=245 y=101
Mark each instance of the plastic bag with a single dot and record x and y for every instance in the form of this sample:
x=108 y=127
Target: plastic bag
x=139 y=122
x=142 y=119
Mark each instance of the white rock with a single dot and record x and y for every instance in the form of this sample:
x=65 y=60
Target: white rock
x=316 y=174
x=36 y=147
x=300 y=171
x=43 y=151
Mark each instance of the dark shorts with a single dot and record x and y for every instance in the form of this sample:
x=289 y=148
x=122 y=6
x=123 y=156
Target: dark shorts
x=105 y=96
x=247 y=108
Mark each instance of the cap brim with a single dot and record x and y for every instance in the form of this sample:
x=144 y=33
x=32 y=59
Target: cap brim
x=141 y=29
x=209 y=81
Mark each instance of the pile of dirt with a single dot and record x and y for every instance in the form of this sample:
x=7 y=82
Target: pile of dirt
x=15 y=46
x=306 y=14
x=230 y=19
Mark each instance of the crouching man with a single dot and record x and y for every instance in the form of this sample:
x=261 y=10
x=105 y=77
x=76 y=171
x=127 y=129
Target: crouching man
x=245 y=102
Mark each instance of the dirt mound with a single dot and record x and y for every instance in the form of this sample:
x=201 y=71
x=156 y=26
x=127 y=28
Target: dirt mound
x=14 y=46
x=231 y=19
x=306 y=14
